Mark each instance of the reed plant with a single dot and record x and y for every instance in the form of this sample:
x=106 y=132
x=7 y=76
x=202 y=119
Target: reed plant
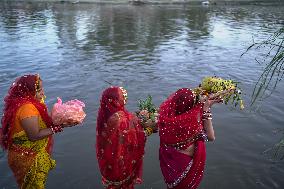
x=273 y=60
x=272 y=74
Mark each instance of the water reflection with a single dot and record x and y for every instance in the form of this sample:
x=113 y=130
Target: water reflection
x=149 y=50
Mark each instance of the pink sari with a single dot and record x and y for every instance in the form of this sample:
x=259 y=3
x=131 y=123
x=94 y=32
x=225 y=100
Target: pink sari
x=180 y=126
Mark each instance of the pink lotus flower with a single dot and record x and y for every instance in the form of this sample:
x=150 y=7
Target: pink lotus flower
x=72 y=110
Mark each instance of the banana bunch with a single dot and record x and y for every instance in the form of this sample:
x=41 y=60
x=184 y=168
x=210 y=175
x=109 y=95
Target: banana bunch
x=218 y=87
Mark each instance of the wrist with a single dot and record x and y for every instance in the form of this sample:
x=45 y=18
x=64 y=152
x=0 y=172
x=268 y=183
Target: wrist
x=207 y=120
x=206 y=115
x=56 y=129
x=148 y=131
x=206 y=108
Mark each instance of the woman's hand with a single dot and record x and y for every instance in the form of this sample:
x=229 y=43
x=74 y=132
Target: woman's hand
x=150 y=127
x=209 y=101
x=144 y=113
x=69 y=123
x=152 y=124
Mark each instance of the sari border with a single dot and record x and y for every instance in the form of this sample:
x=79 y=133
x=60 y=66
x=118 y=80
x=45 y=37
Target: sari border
x=181 y=177
x=116 y=183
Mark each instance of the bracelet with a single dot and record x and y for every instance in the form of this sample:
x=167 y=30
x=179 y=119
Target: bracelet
x=208 y=111
x=148 y=131
x=206 y=116
x=206 y=119
x=56 y=129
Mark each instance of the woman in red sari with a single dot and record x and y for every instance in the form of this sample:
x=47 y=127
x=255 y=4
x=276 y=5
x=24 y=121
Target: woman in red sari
x=120 y=142
x=27 y=131
x=184 y=125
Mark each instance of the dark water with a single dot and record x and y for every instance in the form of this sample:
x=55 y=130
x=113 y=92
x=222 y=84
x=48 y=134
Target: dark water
x=149 y=50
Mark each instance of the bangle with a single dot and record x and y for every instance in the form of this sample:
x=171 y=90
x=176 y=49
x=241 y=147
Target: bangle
x=208 y=111
x=56 y=129
x=206 y=116
x=148 y=131
x=206 y=119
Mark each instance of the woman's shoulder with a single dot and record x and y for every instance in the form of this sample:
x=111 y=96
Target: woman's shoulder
x=27 y=107
x=27 y=110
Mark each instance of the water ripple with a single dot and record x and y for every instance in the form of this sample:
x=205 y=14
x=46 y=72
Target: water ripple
x=79 y=48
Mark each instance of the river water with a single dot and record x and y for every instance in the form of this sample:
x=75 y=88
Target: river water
x=153 y=49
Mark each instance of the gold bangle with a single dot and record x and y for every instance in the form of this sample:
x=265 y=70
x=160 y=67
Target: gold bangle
x=149 y=131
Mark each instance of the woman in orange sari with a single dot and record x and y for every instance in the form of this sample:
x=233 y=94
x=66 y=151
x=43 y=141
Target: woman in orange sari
x=120 y=141
x=27 y=131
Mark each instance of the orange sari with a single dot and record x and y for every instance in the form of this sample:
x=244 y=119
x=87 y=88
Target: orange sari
x=30 y=161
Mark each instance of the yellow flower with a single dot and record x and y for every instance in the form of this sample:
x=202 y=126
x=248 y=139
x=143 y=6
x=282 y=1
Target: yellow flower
x=242 y=106
x=42 y=99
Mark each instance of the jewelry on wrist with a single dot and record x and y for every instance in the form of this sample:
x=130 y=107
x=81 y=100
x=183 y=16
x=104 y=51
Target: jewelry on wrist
x=207 y=110
x=56 y=129
x=207 y=119
x=206 y=115
x=148 y=131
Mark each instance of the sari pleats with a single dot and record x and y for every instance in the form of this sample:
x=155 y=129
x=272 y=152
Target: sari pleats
x=181 y=171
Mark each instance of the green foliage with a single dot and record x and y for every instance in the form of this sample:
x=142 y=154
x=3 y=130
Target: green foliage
x=147 y=104
x=274 y=61
x=271 y=75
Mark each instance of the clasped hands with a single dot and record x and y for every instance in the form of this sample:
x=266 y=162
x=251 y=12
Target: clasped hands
x=214 y=98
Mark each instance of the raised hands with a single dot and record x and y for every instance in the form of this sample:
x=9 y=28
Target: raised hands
x=210 y=100
x=148 y=120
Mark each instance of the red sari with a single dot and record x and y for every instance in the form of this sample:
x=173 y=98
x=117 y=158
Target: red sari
x=180 y=125
x=120 y=142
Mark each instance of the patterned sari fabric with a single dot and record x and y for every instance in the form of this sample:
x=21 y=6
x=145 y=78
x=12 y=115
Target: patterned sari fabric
x=120 y=142
x=30 y=161
x=180 y=126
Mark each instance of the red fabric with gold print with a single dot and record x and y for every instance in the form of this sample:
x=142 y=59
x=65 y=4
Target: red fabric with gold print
x=120 y=142
x=180 y=125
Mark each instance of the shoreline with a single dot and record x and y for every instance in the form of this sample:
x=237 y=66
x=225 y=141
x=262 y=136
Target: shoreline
x=159 y=2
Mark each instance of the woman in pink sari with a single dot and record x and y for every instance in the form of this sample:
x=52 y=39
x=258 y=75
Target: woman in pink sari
x=184 y=125
x=120 y=142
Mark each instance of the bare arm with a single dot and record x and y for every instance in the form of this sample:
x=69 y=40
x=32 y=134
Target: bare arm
x=208 y=126
x=33 y=130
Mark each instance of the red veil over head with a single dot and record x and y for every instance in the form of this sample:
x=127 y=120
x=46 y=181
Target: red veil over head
x=179 y=119
x=120 y=141
x=22 y=91
x=180 y=125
